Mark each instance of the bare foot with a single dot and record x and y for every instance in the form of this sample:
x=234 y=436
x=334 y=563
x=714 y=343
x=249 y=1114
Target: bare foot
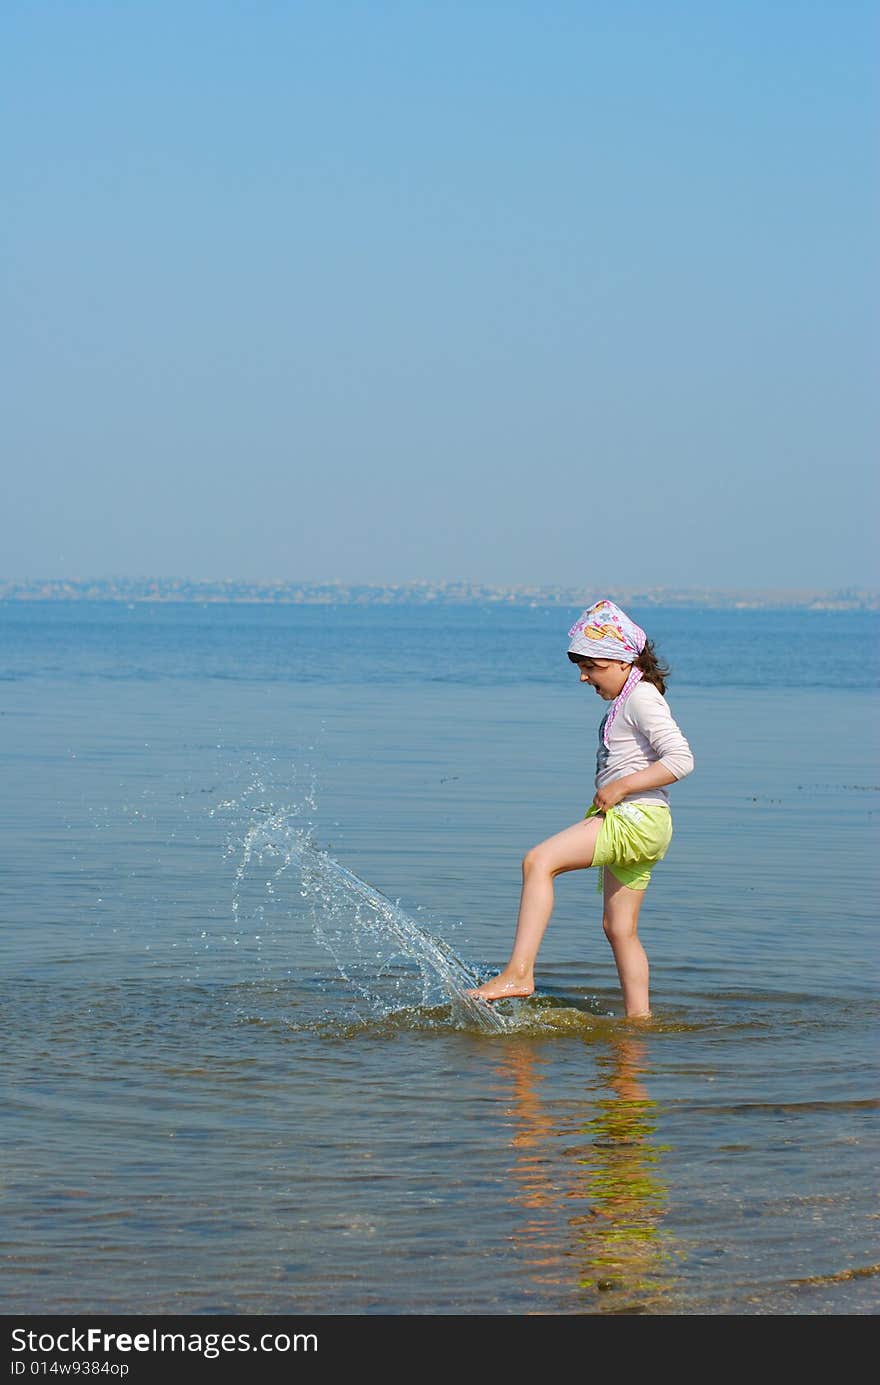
x=500 y=987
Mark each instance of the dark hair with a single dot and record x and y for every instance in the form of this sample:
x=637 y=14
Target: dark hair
x=652 y=669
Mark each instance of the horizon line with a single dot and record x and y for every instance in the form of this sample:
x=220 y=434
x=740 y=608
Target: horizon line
x=378 y=583
x=425 y=590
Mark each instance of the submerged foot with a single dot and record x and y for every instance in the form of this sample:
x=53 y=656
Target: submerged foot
x=500 y=987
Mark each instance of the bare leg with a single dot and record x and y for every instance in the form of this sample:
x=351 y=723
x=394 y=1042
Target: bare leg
x=569 y=850
x=620 y=921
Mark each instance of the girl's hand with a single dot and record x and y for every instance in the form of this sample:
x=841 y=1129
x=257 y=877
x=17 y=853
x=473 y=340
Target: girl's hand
x=608 y=797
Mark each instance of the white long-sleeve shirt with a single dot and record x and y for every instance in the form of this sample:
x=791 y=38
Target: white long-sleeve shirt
x=642 y=733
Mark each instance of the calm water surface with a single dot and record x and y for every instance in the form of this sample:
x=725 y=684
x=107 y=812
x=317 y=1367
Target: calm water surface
x=233 y=1086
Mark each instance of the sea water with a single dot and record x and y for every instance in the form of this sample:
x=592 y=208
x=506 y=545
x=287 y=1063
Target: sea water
x=256 y=854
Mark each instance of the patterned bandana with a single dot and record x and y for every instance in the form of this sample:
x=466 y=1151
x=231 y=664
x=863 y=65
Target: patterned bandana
x=604 y=631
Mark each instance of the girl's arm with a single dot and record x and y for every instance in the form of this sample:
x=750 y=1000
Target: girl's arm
x=654 y=777
x=652 y=717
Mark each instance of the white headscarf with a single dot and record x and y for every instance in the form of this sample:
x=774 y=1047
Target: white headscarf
x=604 y=631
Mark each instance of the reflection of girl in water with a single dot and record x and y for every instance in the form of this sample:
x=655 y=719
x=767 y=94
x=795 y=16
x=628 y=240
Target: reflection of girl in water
x=628 y=825
x=609 y=1193
x=621 y=1232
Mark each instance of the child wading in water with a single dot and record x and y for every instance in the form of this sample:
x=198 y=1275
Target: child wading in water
x=628 y=826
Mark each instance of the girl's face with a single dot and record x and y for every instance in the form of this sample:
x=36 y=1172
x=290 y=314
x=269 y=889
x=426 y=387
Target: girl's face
x=607 y=676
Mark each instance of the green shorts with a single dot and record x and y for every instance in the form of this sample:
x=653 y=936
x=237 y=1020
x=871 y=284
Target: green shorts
x=633 y=838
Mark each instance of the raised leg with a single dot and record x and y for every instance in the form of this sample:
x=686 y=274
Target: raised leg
x=569 y=850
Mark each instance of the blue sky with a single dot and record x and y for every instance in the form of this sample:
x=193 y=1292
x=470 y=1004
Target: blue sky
x=516 y=292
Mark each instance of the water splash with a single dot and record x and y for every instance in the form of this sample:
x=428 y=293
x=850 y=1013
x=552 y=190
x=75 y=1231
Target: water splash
x=437 y=963
x=391 y=962
x=265 y=833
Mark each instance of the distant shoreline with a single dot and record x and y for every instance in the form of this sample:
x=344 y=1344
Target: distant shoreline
x=230 y=592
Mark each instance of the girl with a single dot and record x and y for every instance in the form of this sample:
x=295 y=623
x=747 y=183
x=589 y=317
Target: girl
x=628 y=826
